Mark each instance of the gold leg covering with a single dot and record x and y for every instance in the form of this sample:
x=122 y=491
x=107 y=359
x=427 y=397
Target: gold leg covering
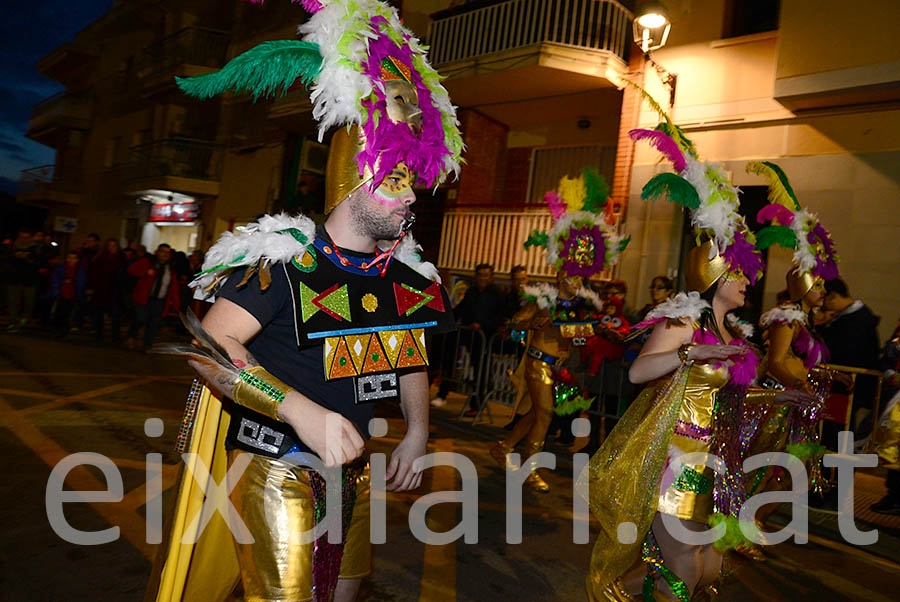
x=615 y=592
x=534 y=480
x=499 y=451
x=274 y=500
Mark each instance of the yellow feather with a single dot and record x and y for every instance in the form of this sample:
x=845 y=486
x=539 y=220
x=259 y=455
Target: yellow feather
x=573 y=192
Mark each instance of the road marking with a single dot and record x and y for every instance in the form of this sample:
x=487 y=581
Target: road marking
x=80 y=478
x=439 y=562
x=60 y=401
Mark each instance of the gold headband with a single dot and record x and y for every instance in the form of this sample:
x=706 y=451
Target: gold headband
x=700 y=271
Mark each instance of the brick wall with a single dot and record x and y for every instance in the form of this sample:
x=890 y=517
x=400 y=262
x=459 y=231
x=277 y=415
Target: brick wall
x=482 y=178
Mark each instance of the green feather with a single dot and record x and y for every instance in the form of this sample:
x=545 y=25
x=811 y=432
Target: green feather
x=779 y=185
x=537 y=238
x=776 y=235
x=733 y=536
x=624 y=243
x=262 y=70
x=596 y=188
x=675 y=187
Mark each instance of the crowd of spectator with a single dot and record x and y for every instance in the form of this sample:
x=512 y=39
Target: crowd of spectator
x=95 y=288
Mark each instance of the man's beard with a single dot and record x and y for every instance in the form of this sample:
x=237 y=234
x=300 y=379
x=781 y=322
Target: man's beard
x=372 y=223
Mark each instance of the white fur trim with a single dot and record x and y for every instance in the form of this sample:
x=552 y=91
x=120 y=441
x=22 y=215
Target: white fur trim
x=683 y=305
x=546 y=295
x=785 y=314
x=805 y=255
x=259 y=240
x=564 y=224
x=408 y=251
x=742 y=326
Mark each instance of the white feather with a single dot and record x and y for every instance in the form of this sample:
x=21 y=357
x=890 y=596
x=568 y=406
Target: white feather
x=545 y=294
x=683 y=305
x=784 y=314
x=742 y=326
x=408 y=251
x=259 y=240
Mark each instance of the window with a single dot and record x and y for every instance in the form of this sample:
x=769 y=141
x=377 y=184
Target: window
x=744 y=17
x=548 y=165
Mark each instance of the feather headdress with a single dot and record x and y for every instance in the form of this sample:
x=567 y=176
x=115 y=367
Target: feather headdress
x=792 y=226
x=580 y=243
x=350 y=48
x=706 y=191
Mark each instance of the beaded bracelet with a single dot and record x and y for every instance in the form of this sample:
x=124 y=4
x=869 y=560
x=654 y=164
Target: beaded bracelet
x=260 y=391
x=683 y=352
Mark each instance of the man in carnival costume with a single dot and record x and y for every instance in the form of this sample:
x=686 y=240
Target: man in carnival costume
x=699 y=370
x=579 y=245
x=314 y=324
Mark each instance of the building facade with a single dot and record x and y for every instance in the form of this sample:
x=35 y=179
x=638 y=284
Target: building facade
x=811 y=85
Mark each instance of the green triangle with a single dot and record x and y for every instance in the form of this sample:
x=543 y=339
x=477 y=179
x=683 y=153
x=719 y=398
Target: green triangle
x=307 y=309
x=426 y=298
x=338 y=302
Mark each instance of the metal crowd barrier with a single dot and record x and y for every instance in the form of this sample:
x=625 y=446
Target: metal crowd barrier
x=452 y=358
x=502 y=359
x=839 y=407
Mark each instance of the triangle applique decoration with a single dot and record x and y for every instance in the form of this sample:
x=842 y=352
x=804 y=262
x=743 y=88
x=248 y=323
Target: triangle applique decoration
x=307 y=308
x=342 y=366
x=376 y=358
x=410 y=299
x=418 y=335
x=334 y=302
x=409 y=353
x=438 y=301
x=392 y=340
x=328 y=351
x=357 y=345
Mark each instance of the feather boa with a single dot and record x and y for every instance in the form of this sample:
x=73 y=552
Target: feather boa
x=683 y=305
x=743 y=369
x=408 y=252
x=264 y=239
x=742 y=326
x=545 y=295
x=269 y=239
x=784 y=314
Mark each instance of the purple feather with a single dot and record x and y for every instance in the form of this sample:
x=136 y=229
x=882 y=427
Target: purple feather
x=663 y=144
x=572 y=267
x=826 y=264
x=389 y=143
x=776 y=213
x=557 y=206
x=743 y=256
x=310 y=6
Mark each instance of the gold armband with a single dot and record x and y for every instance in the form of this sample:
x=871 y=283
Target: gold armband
x=758 y=395
x=260 y=391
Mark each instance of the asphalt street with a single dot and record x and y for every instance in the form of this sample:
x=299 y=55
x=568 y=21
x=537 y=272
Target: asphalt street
x=58 y=398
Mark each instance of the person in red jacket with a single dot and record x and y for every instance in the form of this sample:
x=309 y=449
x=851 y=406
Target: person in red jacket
x=67 y=285
x=156 y=287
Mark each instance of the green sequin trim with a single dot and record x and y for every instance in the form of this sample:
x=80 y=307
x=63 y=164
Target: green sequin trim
x=258 y=383
x=652 y=557
x=691 y=480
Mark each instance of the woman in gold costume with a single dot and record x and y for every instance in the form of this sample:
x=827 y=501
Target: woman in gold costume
x=642 y=484
x=579 y=245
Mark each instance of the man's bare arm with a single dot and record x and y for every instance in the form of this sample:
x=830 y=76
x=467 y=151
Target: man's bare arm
x=233 y=327
x=414 y=403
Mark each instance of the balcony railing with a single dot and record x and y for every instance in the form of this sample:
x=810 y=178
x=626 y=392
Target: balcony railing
x=191 y=46
x=179 y=157
x=496 y=237
x=46 y=183
x=467 y=34
x=62 y=106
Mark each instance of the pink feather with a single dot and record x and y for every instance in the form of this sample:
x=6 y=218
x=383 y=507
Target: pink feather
x=557 y=206
x=776 y=213
x=663 y=144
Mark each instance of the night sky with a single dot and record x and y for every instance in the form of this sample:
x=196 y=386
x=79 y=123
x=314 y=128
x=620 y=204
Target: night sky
x=28 y=32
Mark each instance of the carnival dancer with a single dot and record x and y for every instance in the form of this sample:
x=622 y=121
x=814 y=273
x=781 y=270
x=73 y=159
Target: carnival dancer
x=579 y=245
x=314 y=324
x=699 y=370
x=796 y=354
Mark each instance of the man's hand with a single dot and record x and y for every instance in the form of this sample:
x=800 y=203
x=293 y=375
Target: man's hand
x=400 y=471
x=328 y=434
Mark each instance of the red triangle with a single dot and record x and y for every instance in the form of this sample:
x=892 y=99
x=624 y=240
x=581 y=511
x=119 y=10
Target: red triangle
x=438 y=301
x=406 y=298
x=317 y=301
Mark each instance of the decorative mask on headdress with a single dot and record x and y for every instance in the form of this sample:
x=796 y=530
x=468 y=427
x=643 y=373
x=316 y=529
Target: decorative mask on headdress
x=367 y=72
x=724 y=243
x=580 y=243
x=793 y=227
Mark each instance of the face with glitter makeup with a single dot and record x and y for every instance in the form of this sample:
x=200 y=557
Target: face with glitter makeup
x=380 y=213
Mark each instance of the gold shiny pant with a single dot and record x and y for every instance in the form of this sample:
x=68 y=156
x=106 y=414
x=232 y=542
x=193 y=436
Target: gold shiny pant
x=274 y=499
x=539 y=380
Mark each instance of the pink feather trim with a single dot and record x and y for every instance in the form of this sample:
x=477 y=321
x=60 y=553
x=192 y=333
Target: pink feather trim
x=663 y=144
x=743 y=369
x=776 y=213
x=557 y=206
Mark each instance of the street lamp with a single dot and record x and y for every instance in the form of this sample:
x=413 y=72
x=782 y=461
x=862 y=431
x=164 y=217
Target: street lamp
x=651 y=26
x=651 y=31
